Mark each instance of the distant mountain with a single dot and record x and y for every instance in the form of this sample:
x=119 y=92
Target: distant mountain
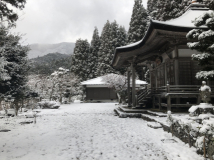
x=49 y=63
x=49 y=58
x=39 y=50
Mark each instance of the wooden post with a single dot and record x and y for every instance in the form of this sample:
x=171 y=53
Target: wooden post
x=133 y=85
x=177 y=70
x=199 y=99
x=128 y=91
x=168 y=98
x=176 y=66
x=204 y=147
x=159 y=102
x=190 y=145
x=153 y=104
x=168 y=103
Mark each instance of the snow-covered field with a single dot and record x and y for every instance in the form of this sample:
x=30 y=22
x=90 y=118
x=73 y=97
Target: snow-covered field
x=87 y=131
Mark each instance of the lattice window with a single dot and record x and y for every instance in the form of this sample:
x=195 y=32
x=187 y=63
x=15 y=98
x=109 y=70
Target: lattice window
x=161 y=75
x=185 y=76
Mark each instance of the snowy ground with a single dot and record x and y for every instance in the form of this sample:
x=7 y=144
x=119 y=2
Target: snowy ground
x=84 y=131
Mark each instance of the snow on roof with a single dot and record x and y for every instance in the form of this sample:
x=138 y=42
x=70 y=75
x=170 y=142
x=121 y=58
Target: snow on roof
x=187 y=19
x=99 y=81
x=130 y=45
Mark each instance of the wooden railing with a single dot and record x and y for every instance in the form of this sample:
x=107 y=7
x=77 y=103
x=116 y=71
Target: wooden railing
x=171 y=91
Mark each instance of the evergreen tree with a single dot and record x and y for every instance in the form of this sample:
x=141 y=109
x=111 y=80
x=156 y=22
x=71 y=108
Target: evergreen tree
x=93 y=57
x=164 y=10
x=7 y=13
x=112 y=36
x=152 y=8
x=106 y=49
x=121 y=37
x=80 y=60
x=17 y=66
x=121 y=41
x=205 y=45
x=139 y=22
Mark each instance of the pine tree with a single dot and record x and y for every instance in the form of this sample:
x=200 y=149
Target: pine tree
x=205 y=45
x=16 y=67
x=139 y=22
x=80 y=60
x=93 y=57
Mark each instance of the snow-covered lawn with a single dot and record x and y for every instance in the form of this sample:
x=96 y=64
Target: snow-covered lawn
x=87 y=131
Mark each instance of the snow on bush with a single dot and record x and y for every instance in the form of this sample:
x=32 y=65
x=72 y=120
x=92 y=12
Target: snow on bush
x=201 y=56
x=193 y=109
x=49 y=105
x=205 y=74
x=198 y=129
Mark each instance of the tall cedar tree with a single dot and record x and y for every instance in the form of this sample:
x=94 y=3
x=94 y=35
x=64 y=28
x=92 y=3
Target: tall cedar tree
x=106 y=50
x=164 y=10
x=112 y=36
x=121 y=41
x=17 y=66
x=7 y=13
x=139 y=23
x=80 y=60
x=205 y=45
x=93 y=57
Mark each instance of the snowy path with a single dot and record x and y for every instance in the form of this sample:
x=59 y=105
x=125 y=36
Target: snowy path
x=87 y=132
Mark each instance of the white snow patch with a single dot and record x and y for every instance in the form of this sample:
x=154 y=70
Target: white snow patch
x=88 y=131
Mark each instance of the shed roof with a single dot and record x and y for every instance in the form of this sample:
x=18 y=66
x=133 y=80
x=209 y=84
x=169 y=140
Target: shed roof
x=158 y=34
x=99 y=81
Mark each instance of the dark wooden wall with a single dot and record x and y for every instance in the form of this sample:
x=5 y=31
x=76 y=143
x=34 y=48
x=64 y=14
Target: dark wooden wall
x=100 y=94
x=187 y=71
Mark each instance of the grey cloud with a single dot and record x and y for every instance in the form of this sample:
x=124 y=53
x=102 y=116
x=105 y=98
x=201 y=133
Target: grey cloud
x=54 y=21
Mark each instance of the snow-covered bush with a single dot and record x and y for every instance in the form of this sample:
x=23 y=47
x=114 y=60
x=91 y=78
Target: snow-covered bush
x=197 y=130
x=49 y=105
x=204 y=44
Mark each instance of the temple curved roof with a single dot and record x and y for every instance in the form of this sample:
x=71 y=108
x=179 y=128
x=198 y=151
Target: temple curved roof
x=160 y=33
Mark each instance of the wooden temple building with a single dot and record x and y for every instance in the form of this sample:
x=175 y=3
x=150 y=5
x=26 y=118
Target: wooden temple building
x=98 y=90
x=172 y=71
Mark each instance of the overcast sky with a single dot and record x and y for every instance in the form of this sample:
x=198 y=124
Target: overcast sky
x=55 y=21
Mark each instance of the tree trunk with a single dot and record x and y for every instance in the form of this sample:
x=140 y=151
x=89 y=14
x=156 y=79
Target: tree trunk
x=119 y=98
x=16 y=108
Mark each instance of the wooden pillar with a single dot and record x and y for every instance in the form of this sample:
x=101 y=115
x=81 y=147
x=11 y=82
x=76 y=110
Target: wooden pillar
x=128 y=91
x=165 y=73
x=133 y=86
x=176 y=66
x=177 y=71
